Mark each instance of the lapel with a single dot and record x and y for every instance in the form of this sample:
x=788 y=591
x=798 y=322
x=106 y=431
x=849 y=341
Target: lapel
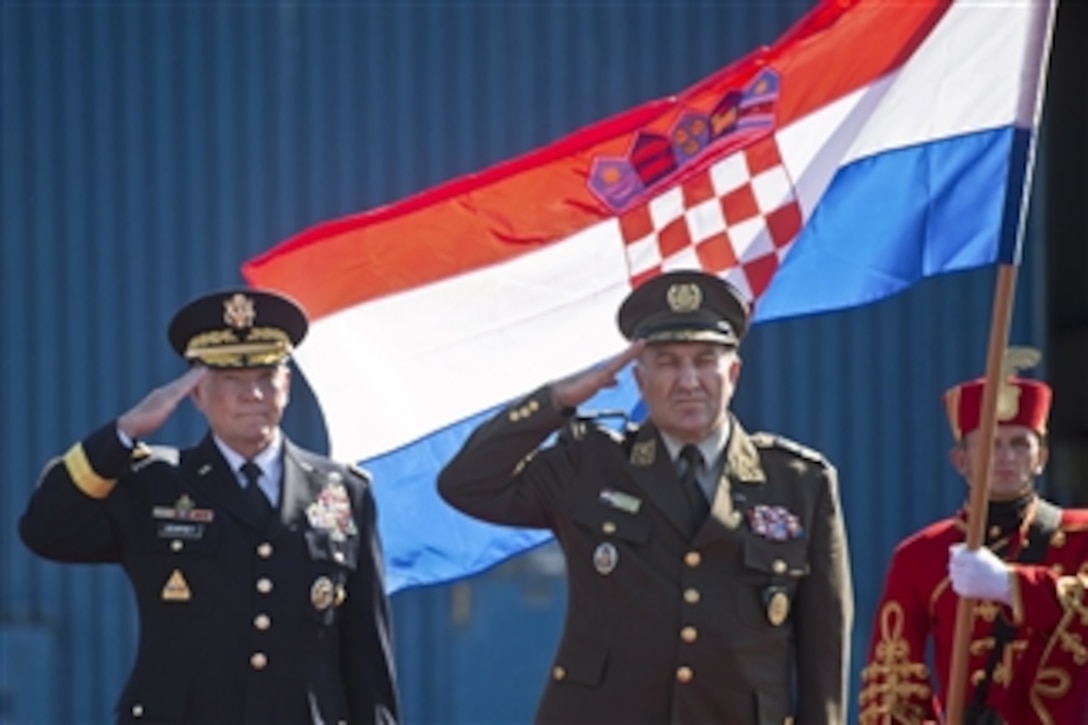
x=742 y=470
x=298 y=489
x=215 y=481
x=649 y=465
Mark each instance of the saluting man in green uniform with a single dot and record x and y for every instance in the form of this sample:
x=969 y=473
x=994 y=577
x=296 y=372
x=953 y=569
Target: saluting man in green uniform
x=255 y=563
x=708 y=570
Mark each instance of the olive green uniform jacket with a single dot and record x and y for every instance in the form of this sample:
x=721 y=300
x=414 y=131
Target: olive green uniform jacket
x=746 y=620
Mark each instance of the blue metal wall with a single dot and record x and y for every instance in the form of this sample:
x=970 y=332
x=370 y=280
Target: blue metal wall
x=149 y=148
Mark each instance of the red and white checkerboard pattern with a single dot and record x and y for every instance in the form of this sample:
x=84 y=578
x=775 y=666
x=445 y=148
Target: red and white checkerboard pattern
x=736 y=219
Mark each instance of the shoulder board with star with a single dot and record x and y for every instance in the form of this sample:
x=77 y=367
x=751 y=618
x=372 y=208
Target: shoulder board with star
x=144 y=455
x=770 y=440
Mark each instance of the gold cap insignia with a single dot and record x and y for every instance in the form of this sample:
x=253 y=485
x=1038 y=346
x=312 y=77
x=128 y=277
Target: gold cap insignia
x=1008 y=396
x=239 y=311
x=685 y=297
x=176 y=589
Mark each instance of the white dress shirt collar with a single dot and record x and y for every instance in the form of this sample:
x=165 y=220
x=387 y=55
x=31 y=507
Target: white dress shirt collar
x=269 y=459
x=712 y=447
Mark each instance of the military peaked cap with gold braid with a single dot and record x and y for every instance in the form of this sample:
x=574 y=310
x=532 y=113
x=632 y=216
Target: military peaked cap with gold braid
x=685 y=306
x=243 y=328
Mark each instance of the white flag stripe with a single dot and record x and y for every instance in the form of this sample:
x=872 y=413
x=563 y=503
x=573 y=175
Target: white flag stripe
x=389 y=371
x=924 y=100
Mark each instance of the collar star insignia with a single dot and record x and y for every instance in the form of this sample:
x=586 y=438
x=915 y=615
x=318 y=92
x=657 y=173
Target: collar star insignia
x=644 y=453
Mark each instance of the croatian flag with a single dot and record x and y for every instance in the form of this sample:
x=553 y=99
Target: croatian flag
x=874 y=144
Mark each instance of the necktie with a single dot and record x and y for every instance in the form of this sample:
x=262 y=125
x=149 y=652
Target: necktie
x=692 y=460
x=259 y=504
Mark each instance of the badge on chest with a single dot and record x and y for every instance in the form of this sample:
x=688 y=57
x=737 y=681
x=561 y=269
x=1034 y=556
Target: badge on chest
x=605 y=558
x=324 y=594
x=778 y=604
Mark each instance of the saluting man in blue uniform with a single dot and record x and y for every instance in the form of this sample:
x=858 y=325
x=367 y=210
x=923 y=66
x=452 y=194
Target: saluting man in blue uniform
x=256 y=564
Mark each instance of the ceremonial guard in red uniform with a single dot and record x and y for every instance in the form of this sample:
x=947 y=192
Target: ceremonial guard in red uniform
x=1028 y=651
x=707 y=566
x=255 y=563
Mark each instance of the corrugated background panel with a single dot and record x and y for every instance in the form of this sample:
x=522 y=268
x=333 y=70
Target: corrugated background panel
x=149 y=148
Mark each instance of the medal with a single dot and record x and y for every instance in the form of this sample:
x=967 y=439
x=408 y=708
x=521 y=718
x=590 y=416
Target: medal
x=605 y=558
x=778 y=605
x=322 y=593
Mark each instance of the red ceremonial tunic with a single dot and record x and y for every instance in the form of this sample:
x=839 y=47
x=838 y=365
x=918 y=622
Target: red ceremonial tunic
x=1042 y=676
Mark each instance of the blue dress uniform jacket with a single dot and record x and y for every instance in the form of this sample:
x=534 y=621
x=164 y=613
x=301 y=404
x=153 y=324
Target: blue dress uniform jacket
x=746 y=620
x=240 y=621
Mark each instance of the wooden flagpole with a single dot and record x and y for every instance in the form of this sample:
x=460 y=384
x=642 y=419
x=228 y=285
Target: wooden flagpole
x=1031 y=108
x=980 y=481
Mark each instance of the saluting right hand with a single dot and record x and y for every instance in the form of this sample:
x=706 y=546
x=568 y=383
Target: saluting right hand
x=150 y=413
x=572 y=391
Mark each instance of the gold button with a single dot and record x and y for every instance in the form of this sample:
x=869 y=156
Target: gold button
x=338 y=556
x=514 y=416
x=176 y=545
x=264 y=585
x=995 y=531
x=264 y=550
x=558 y=673
x=693 y=559
x=689 y=634
x=684 y=674
x=608 y=527
x=258 y=660
x=533 y=405
x=691 y=595
x=262 y=621
x=779 y=566
x=137 y=711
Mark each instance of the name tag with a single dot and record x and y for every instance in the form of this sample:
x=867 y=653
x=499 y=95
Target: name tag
x=181 y=530
x=620 y=500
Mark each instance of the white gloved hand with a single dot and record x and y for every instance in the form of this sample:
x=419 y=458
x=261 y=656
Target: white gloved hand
x=979 y=574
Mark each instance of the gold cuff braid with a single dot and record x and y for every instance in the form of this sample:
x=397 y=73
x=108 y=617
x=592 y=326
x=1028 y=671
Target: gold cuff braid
x=79 y=468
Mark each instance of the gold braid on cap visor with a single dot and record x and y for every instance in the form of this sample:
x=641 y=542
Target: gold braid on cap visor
x=222 y=348
x=718 y=336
